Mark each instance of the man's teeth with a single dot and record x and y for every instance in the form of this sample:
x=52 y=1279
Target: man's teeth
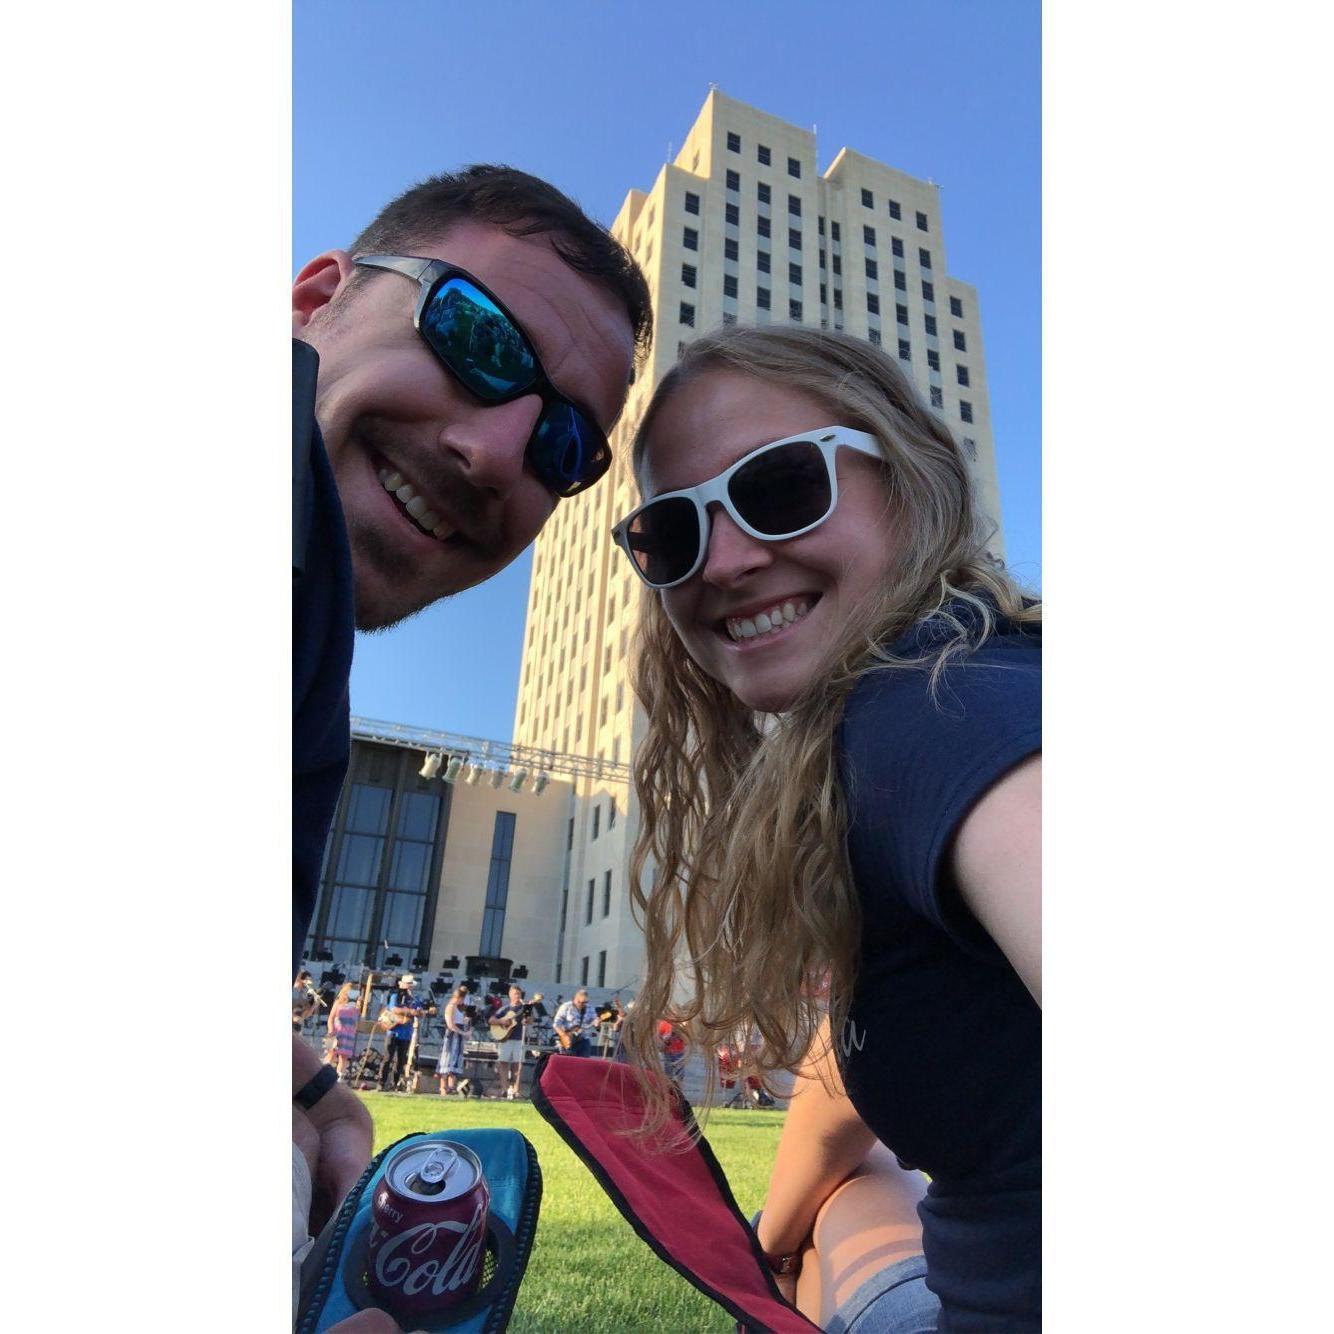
x=425 y=518
x=776 y=618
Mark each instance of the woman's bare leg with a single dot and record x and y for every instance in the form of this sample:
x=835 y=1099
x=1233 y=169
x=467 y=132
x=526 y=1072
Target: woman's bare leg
x=869 y=1223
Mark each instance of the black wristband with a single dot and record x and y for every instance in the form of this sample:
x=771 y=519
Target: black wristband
x=316 y=1087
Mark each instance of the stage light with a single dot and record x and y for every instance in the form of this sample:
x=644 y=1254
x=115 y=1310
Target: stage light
x=421 y=964
x=452 y=768
x=540 y=783
x=451 y=962
x=518 y=780
x=430 y=766
x=497 y=777
x=474 y=773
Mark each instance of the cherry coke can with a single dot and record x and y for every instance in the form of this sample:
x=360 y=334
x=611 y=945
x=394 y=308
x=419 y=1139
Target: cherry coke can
x=428 y=1229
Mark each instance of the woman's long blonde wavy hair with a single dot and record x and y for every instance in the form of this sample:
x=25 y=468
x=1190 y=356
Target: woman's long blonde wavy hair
x=739 y=875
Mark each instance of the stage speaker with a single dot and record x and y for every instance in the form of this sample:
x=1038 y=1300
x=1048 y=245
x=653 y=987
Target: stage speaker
x=483 y=965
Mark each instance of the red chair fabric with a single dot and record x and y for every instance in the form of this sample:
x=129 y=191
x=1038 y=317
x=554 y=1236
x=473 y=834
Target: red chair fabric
x=677 y=1201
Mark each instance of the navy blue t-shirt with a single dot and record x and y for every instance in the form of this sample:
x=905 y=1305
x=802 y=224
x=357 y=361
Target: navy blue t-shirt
x=941 y=1054
x=322 y=633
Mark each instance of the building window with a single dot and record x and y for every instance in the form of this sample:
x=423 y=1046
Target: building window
x=794 y=206
x=762 y=226
x=732 y=214
x=824 y=294
x=688 y=275
x=762 y=298
x=900 y=280
x=834 y=231
x=970 y=447
x=822 y=259
x=937 y=401
x=838 y=265
x=956 y=307
x=868 y=235
x=794 y=274
x=690 y=239
x=498 y=883
x=730 y=250
x=763 y=193
x=894 y=210
x=838 y=298
x=929 y=321
x=762 y=155
x=733 y=180
x=794 y=311
x=966 y=410
x=873 y=303
x=692 y=202
x=687 y=314
x=905 y=350
x=928 y=292
x=872 y=269
x=921 y=222
x=901 y=314
x=602 y=968
x=794 y=168
x=874 y=335
x=959 y=342
x=729 y=284
x=762 y=261
x=924 y=258
x=733 y=142
x=819 y=225
x=588 y=906
x=896 y=246
x=962 y=373
x=793 y=238
x=933 y=359
x=597 y=817
x=867 y=201
x=606 y=899
x=611 y=801
x=583 y=971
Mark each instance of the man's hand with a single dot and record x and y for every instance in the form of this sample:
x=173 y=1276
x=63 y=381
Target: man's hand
x=335 y=1137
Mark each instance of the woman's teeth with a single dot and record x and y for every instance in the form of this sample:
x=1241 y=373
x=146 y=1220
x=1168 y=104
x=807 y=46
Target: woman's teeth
x=425 y=518
x=769 y=622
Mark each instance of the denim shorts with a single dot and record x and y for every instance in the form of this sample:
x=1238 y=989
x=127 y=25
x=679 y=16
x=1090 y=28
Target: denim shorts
x=894 y=1301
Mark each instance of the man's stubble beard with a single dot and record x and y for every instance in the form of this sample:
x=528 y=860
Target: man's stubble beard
x=372 y=550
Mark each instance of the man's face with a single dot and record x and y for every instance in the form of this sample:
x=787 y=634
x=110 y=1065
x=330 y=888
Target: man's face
x=386 y=406
x=516 y=996
x=581 y=998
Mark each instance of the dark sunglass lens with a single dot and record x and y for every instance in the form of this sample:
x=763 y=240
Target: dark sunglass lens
x=782 y=490
x=664 y=539
x=478 y=342
x=568 y=452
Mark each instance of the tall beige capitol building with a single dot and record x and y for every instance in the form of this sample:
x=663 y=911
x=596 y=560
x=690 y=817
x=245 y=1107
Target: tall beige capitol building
x=743 y=228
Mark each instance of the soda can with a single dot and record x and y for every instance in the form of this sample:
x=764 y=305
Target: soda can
x=428 y=1229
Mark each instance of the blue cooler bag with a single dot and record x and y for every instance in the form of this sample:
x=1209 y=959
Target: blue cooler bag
x=333 y=1274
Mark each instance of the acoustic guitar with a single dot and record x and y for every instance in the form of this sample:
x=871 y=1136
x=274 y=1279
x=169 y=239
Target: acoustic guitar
x=500 y=1031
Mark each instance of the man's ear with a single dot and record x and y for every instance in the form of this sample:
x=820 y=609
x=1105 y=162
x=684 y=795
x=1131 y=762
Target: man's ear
x=318 y=283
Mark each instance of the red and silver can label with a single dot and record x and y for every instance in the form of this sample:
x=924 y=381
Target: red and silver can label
x=428 y=1228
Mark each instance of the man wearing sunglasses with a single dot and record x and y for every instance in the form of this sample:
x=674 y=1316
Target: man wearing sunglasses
x=455 y=376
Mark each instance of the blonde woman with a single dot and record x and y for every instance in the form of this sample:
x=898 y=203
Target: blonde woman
x=840 y=796
x=343 y=1016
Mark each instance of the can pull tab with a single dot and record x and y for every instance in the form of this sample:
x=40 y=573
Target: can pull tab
x=432 y=1175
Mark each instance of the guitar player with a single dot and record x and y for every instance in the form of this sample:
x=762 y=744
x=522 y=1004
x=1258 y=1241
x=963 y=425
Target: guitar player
x=575 y=1023
x=406 y=1007
x=509 y=1020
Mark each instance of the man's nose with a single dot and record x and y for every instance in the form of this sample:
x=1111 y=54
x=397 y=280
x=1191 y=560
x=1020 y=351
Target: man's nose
x=491 y=442
x=733 y=555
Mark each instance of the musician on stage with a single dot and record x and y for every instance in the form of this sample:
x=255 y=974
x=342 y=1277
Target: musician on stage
x=406 y=1007
x=509 y=1054
x=458 y=1028
x=575 y=1023
x=305 y=1000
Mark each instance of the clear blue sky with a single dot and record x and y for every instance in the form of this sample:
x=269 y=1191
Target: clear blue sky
x=589 y=95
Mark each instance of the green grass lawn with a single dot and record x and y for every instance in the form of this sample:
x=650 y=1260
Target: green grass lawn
x=589 y=1273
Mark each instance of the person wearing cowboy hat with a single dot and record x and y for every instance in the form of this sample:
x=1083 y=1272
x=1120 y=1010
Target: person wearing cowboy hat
x=405 y=1009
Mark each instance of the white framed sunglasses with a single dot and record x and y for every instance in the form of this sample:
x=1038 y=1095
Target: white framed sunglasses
x=778 y=491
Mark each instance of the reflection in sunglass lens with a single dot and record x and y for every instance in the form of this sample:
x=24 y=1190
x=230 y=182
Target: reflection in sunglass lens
x=782 y=490
x=477 y=342
x=567 y=451
x=664 y=539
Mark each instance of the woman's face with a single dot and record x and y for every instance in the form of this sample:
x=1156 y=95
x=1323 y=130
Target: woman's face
x=704 y=427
